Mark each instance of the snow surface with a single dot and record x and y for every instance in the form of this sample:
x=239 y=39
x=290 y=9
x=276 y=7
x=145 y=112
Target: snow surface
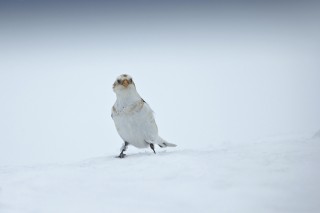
x=270 y=175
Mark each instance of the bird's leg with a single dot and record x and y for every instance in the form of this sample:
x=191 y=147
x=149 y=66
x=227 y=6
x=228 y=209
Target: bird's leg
x=123 y=148
x=152 y=147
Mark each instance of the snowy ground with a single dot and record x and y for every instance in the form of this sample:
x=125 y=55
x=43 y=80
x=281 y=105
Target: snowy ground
x=271 y=175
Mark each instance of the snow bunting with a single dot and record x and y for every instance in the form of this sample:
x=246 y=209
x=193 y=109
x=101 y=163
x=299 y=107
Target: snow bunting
x=134 y=118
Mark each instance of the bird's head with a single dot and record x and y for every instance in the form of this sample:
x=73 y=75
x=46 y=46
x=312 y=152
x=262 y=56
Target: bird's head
x=123 y=83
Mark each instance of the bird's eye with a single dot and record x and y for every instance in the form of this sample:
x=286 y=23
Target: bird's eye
x=119 y=81
x=130 y=80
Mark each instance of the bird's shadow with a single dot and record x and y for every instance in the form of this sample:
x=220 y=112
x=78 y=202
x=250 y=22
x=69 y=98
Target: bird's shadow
x=144 y=154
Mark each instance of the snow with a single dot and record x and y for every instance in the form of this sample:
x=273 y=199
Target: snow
x=278 y=174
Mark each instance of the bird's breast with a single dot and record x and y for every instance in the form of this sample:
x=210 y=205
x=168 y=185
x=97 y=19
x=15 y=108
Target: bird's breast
x=134 y=124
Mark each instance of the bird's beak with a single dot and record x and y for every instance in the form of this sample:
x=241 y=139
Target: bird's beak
x=125 y=83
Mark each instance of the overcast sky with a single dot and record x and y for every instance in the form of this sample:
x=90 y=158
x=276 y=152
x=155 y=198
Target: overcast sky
x=210 y=71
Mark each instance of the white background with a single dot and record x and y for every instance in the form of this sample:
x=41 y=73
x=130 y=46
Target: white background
x=210 y=73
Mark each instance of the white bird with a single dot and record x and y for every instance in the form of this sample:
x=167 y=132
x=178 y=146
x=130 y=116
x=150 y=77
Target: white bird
x=134 y=118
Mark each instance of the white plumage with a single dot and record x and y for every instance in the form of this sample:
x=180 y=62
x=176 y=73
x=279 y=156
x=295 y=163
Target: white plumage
x=133 y=117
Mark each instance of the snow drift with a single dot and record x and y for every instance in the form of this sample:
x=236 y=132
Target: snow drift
x=271 y=175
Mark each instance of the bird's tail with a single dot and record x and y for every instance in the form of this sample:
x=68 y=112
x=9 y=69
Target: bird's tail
x=162 y=143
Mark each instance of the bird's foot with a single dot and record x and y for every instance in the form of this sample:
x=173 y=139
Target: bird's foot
x=123 y=149
x=152 y=147
x=122 y=155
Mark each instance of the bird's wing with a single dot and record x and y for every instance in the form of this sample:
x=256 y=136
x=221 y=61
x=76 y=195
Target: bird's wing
x=150 y=127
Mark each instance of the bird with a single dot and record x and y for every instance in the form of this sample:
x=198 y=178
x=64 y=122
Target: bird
x=133 y=118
